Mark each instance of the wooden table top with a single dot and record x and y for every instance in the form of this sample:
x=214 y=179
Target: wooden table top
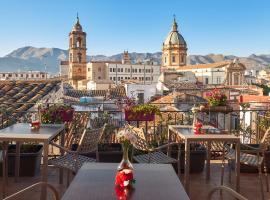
x=153 y=182
x=186 y=132
x=23 y=132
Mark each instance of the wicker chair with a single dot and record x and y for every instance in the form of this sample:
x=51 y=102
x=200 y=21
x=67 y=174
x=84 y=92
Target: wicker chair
x=253 y=157
x=228 y=190
x=18 y=195
x=154 y=155
x=72 y=160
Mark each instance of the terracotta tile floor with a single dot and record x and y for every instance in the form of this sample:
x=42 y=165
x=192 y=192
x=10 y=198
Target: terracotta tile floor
x=199 y=186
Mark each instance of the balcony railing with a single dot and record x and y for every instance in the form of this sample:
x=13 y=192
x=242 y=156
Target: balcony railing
x=249 y=124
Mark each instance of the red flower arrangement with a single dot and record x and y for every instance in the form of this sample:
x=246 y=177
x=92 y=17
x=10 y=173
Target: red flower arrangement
x=216 y=98
x=198 y=128
x=124 y=181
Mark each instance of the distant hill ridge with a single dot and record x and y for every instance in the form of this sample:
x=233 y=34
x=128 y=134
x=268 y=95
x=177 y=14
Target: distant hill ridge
x=40 y=59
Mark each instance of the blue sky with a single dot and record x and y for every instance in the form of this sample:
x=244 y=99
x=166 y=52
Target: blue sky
x=238 y=27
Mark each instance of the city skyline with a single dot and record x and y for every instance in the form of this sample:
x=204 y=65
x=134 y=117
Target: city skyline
x=238 y=28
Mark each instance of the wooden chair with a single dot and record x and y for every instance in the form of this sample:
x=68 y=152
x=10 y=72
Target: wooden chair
x=17 y=195
x=73 y=160
x=253 y=157
x=153 y=155
x=228 y=190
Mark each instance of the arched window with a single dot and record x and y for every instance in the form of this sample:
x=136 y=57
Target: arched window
x=79 y=57
x=182 y=59
x=173 y=59
x=70 y=57
x=236 y=79
x=79 y=70
x=70 y=42
x=79 y=42
x=165 y=59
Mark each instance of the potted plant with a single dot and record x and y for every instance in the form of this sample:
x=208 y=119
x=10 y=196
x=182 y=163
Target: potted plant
x=142 y=112
x=56 y=114
x=217 y=102
x=30 y=159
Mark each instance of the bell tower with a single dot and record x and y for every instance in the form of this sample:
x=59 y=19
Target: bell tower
x=77 y=54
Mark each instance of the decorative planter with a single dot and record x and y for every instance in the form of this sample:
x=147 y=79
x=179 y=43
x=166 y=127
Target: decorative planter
x=67 y=115
x=220 y=109
x=108 y=152
x=139 y=116
x=29 y=162
x=197 y=158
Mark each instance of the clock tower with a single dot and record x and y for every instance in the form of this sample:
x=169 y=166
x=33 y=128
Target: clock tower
x=77 y=54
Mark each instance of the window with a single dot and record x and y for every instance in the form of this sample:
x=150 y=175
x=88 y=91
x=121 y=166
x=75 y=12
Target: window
x=79 y=42
x=165 y=59
x=206 y=81
x=114 y=78
x=21 y=75
x=182 y=58
x=173 y=58
x=135 y=70
x=79 y=70
x=118 y=69
x=37 y=75
x=43 y=75
x=70 y=57
x=118 y=78
x=140 y=70
x=110 y=69
x=122 y=70
x=110 y=78
x=128 y=70
x=113 y=69
x=99 y=69
x=79 y=58
x=89 y=69
x=32 y=75
x=99 y=77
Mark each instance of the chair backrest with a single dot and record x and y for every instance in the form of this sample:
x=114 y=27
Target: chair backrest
x=141 y=143
x=76 y=128
x=265 y=142
x=90 y=139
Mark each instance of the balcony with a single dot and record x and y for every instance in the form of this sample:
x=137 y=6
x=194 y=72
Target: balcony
x=248 y=124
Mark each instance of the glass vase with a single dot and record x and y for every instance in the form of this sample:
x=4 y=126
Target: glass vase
x=125 y=163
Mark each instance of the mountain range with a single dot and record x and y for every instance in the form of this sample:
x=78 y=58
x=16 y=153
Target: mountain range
x=47 y=59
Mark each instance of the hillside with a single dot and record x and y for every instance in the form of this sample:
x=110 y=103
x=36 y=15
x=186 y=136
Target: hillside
x=31 y=58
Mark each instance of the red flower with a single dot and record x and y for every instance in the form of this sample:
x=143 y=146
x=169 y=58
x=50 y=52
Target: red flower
x=121 y=193
x=124 y=178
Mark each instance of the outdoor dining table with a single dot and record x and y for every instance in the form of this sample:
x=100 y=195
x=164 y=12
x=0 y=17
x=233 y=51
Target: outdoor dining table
x=153 y=181
x=186 y=133
x=22 y=132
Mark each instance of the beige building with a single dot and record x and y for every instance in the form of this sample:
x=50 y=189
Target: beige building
x=174 y=50
x=229 y=72
x=29 y=75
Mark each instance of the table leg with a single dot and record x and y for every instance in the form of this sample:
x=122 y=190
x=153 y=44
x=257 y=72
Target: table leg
x=237 y=166
x=17 y=161
x=4 y=169
x=44 y=171
x=168 y=141
x=187 y=160
x=208 y=160
x=62 y=143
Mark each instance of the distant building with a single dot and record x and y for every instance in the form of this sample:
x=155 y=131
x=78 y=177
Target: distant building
x=29 y=75
x=229 y=73
x=174 y=49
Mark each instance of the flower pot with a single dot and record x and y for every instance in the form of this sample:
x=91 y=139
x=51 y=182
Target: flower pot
x=197 y=158
x=29 y=161
x=220 y=109
x=108 y=152
x=67 y=115
x=139 y=116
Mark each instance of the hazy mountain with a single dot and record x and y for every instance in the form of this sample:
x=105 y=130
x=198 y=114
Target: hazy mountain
x=31 y=58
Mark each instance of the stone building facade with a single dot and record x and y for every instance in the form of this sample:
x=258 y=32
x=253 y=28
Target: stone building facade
x=174 y=50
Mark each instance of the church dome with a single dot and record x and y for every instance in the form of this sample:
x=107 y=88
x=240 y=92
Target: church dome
x=77 y=26
x=174 y=37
